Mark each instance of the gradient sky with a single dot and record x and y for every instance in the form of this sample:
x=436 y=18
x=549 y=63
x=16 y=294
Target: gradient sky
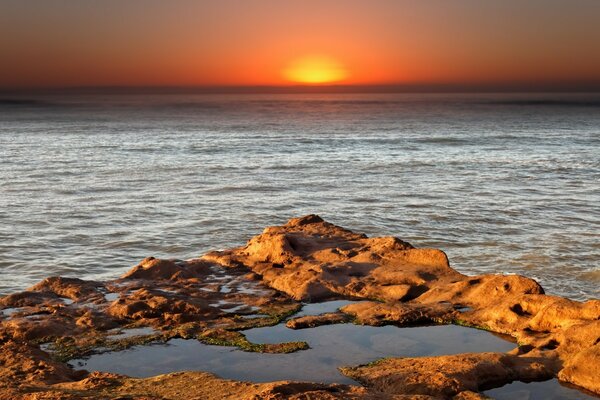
x=58 y=43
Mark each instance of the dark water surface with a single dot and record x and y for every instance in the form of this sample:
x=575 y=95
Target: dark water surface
x=331 y=347
x=547 y=390
x=90 y=185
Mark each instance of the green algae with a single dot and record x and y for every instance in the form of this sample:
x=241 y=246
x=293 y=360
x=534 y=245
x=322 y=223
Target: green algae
x=223 y=337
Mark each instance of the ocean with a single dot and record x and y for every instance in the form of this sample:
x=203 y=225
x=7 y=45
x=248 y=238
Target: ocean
x=503 y=183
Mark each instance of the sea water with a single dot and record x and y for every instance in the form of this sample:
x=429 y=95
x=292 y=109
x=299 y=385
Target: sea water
x=91 y=184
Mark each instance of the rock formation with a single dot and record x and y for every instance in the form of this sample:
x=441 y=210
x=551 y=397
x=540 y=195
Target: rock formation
x=307 y=260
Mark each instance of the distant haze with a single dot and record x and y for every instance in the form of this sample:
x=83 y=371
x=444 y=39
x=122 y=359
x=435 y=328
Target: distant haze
x=461 y=44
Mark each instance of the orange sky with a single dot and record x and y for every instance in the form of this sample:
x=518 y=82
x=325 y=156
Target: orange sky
x=256 y=42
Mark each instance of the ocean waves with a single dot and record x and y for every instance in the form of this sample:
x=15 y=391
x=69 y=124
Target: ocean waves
x=91 y=189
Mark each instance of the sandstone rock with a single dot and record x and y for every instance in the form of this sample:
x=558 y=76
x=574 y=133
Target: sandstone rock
x=71 y=288
x=481 y=291
x=144 y=305
x=374 y=313
x=312 y=321
x=24 y=329
x=582 y=369
x=312 y=260
x=28 y=299
x=205 y=386
x=447 y=376
x=560 y=314
x=306 y=259
x=154 y=269
x=25 y=364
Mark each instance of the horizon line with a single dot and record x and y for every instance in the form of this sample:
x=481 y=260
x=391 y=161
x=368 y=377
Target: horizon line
x=310 y=89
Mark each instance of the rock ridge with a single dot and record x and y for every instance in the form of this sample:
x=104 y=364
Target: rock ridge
x=221 y=293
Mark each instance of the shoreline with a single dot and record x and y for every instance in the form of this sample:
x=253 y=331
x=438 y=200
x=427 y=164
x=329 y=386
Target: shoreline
x=306 y=260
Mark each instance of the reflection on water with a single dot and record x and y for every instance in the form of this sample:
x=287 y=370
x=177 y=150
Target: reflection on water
x=548 y=390
x=331 y=346
x=503 y=183
x=322 y=308
x=127 y=333
x=11 y=310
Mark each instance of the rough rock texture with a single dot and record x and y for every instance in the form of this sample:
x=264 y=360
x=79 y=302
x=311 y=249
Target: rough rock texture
x=194 y=385
x=313 y=260
x=308 y=260
x=446 y=376
x=25 y=363
x=375 y=313
x=312 y=321
x=582 y=369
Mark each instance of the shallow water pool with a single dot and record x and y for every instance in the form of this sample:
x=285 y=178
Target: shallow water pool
x=547 y=390
x=331 y=347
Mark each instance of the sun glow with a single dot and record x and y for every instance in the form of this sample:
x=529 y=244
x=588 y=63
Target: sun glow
x=315 y=70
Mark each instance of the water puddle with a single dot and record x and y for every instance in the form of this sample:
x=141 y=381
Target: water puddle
x=233 y=307
x=213 y=277
x=110 y=297
x=322 y=308
x=168 y=291
x=7 y=312
x=242 y=286
x=253 y=288
x=331 y=346
x=47 y=347
x=253 y=316
x=547 y=390
x=463 y=309
x=225 y=289
x=127 y=333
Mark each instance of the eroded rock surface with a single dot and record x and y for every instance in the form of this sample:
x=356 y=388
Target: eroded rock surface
x=215 y=297
x=312 y=321
x=313 y=260
x=447 y=376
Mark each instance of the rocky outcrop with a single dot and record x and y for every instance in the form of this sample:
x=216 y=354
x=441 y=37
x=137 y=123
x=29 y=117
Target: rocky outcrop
x=312 y=321
x=205 y=386
x=24 y=363
x=376 y=313
x=313 y=260
x=309 y=260
x=447 y=376
x=156 y=269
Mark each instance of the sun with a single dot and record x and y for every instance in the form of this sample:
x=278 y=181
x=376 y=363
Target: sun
x=314 y=70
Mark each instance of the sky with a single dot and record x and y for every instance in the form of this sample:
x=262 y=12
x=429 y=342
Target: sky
x=75 y=43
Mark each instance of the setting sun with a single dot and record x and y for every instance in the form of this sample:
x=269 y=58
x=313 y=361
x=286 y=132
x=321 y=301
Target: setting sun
x=315 y=70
